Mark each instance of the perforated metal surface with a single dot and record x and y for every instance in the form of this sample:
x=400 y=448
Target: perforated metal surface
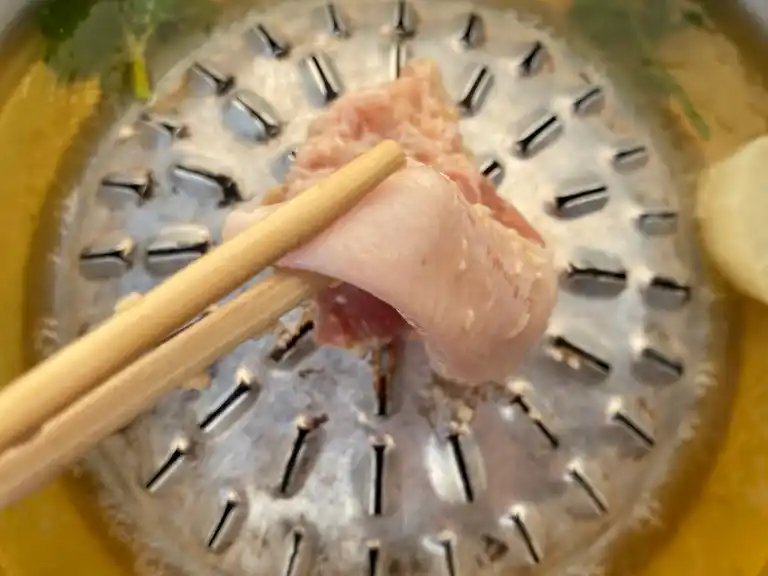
x=291 y=460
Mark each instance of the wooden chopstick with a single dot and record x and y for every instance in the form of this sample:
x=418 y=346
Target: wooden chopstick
x=67 y=436
x=29 y=401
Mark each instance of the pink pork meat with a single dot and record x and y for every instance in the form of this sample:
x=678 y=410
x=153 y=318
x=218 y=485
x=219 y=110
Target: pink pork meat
x=433 y=248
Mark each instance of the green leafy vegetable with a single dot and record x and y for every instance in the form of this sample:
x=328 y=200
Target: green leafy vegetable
x=631 y=30
x=142 y=18
x=93 y=47
x=100 y=37
x=58 y=20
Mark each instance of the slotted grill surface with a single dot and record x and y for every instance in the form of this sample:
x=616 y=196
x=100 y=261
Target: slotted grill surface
x=292 y=460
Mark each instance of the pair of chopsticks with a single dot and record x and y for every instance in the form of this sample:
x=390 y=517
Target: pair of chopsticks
x=53 y=414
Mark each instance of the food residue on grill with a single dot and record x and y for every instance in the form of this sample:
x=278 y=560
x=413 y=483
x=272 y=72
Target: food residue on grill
x=432 y=251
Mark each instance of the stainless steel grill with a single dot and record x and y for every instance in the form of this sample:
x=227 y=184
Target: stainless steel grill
x=292 y=460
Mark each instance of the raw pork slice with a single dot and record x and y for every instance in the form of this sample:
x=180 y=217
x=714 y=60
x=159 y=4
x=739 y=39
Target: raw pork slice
x=437 y=249
x=478 y=292
x=416 y=112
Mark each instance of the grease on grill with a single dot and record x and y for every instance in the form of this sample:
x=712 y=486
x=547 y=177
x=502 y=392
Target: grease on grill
x=657 y=360
x=632 y=420
x=590 y=100
x=535 y=132
x=657 y=222
x=581 y=363
x=249 y=116
x=336 y=21
x=108 y=258
x=207 y=80
x=405 y=20
x=177 y=247
x=179 y=453
x=232 y=404
x=119 y=189
x=586 y=483
x=542 y=424
x=472 y=32
x=267 y=43
x=493 y=169
x=533 y=58
x=320 y=78
x=443 y=547
x=476 y=89
x=383 y=363
x=204 y=183
x=494 y=549
x=373 y=560
x=299 y=556
x=379 y=469
x=629 y=156
x=580 y=197
x=232 y=513
x=290 y=339
x=454 y=465
x=523 y=523
x=595 y=273
x=304 y=449
x=160 y=131
x=456 y=442
x=667 y=293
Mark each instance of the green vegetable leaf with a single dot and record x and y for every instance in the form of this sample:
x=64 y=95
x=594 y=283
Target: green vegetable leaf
x=631 y=30
x=94 y=45
x=86 y=38
x=142 y=18
x=58 y=20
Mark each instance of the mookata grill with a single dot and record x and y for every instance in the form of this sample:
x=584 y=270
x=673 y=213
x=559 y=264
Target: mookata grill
x=291 y=458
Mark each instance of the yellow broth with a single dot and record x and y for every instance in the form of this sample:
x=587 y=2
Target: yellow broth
x=701 y=72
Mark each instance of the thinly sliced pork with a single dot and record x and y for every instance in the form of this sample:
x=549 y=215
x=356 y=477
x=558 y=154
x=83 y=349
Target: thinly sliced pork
x=434 y=248
x=478 y=292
